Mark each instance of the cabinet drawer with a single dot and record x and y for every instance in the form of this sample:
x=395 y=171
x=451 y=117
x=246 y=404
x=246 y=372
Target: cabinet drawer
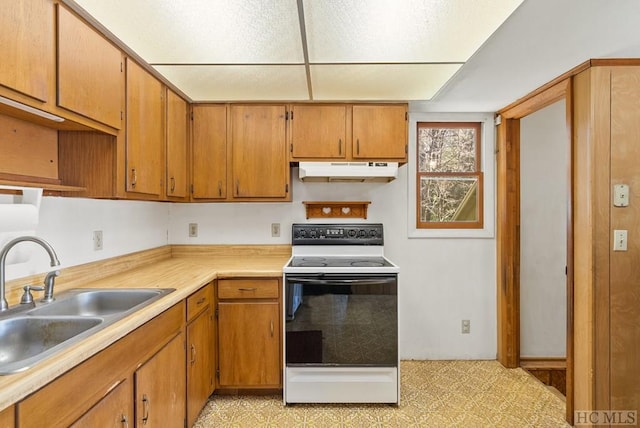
x=248 y=289
x=198 y=301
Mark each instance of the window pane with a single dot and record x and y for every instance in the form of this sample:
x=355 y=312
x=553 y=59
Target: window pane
x=446 y=149
x=448 y=199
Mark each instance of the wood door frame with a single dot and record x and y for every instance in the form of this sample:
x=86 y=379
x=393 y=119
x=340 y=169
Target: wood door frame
x=508 y=225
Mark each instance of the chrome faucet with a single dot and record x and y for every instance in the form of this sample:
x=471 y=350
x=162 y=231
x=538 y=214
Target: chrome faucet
x=50 y=277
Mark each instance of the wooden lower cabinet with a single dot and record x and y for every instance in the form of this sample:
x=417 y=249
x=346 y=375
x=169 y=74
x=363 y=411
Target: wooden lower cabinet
x=115 y=410
x=200 y=382
x=150 y=356
x=249 y=341
x=160 y=385
x=7 y=417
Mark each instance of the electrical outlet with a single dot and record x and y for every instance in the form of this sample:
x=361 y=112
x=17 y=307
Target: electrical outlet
x=193 y=230
x=466 y=326
x=97 y=240
x=275 y=230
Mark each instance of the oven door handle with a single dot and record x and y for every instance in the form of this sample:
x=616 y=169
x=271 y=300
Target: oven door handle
x=367 y=281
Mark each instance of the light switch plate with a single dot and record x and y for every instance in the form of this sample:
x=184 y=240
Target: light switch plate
x=619 y=240
x=620 y=195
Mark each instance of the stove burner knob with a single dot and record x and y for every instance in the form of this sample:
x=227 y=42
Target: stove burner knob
x=372 y=234
x=363 y=233
x=351 y=233
x=313 y=233
x=302 y=234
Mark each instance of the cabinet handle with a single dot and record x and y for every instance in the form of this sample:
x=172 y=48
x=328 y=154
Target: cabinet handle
x=193 y=354
x=173 y=184
x=145 y=409
x=247 y=289
x=124 y=421
x=340 y=146
x=358 y=146
x=271 y=328
x=201 y=301
x=220 y=188
x=134 y=177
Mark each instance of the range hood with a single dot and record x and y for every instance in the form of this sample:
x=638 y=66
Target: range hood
x=348 y=171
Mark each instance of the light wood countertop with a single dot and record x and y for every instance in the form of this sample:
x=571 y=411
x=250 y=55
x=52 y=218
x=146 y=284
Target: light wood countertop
x=186 y=270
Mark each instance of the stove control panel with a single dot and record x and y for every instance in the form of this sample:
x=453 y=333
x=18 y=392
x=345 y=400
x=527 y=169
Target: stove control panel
x=337 y=234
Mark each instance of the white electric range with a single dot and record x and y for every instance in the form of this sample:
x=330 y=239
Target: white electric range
x=341 y=316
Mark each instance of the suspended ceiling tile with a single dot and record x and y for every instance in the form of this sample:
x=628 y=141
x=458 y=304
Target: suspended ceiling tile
x=401 y=31
x=239 y=82
x=204 y=31
x=379 y=82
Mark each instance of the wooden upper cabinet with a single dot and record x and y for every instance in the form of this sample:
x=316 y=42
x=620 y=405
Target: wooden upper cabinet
x=259 y=164
x=176 y=180
x=380 y=132
x=318 y=131
x=145 y=136
x=28 y=46
x=90 y=72
x=209 y=152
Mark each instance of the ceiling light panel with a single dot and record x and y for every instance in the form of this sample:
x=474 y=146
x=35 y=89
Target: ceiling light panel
x=239 y=82
x=401 y=30
x=204 y=31
x=379 y=81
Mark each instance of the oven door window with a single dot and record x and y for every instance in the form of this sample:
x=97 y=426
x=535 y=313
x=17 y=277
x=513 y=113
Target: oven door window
x=342 y=320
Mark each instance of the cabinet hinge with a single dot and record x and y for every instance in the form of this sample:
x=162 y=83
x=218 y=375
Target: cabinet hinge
x=291 y=147
x=218 y=374
x=217 y=313
x=121 y=115
x=191 y=115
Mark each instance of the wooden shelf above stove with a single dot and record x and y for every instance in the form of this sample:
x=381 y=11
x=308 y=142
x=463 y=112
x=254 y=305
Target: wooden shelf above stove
x=336 y=209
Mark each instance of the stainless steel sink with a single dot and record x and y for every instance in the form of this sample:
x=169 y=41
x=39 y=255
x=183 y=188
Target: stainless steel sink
x=26 y=339
x=99 y=302
x=31 y=335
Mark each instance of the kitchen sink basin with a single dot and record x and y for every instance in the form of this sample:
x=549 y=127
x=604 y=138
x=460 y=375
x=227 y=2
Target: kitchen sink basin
x=28 y=339
x=33 y=334
x=100 y=302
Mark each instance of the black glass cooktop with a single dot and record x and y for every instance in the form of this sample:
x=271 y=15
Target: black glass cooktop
x=356 y=262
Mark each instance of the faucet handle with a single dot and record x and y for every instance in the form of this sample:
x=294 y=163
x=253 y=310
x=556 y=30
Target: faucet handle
x=49 y=282
x=27 y=297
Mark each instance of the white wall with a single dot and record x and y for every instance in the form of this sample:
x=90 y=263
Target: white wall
x=442 y=281
x=543 y=237
x=68 y=225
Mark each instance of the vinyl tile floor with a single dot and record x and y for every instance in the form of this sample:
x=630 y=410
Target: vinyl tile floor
x=433 y=394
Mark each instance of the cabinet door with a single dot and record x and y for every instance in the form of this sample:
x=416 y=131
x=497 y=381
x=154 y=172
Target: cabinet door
x=28 y=46
x=7 y=417
x=114 y=410
x=379 y=132
x=318 y=131
x=176 y=146
x=258 y=143
x=249 y=344
x=209 y=152
x=90 y=74
x=199 y=364
x=144 y=131
x=160 y=387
